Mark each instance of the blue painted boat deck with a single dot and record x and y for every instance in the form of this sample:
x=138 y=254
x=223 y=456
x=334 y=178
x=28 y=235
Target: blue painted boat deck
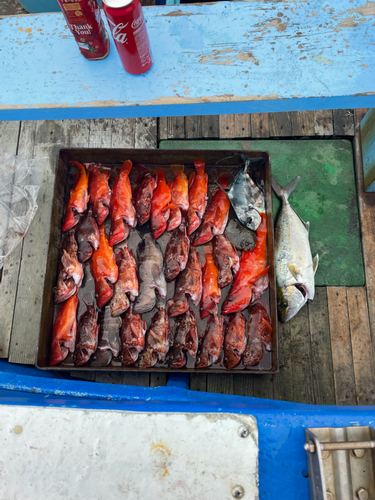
x=225 y=57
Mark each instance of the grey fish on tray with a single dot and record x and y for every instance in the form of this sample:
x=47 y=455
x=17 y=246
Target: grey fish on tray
x=241 y=237
x=150 y=274
x=133 y=331
x=87 y=234
x=185 y=339
x=157 y=340
x=109 y=338
x=295 y=268
x=177 y=252
x=87 y=335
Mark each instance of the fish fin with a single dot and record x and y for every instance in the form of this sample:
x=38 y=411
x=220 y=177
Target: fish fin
x=307 y=225
x=192 y=178
x=295 y=271
x=283 y=192
x=177 y=169
x=315 y=263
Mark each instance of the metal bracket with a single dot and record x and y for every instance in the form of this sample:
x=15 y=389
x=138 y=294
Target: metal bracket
x=341 y=462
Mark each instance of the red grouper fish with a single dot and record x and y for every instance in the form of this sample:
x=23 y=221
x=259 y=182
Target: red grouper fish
x=211 y=292
x=100 y=194
x=78 y=199
x=189 y=282
x=122 y=210
x=198 y=185
x=133 y=331
x=211 y=344
x=157 y=343
x=160 y=205
x=226 y=259
x=142 y=196
x=87 y=234
x=185 y=339
x=127 y=282
x=180 y=196
x=70 y=270
x=87 y=335
x=253 y=265
x=259 y=335
x=64 y=331
x=234 y=340
x=177 y=252
x=103 y=269
x=216 y=216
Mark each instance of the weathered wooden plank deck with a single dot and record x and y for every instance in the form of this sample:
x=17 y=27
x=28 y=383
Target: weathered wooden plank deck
x=326 y=352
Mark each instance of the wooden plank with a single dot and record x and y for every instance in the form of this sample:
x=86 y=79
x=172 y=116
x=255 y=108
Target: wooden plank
x=302 y=123
x=198 y=382
x=226 y=126
x=359 y=114
x=122 y=133
x=176 y=127
x=283 y=380
x=363 y=361
x=210 y=126
x=343 y=122
x=243 y=385
x=300 y=347
x=260 y=125
x=263 y=386
x=323 y=122
x=109 y=377
x=135 y=378
x=158 y=379
x=242 y=125
x=83 y=375
x=321 y=354
x=193 y=127
x=280 y=124
x=342 y=358
x=11 y=7
x=100 y=133
x=145 y=136
x=9 y=132
x=50 y=136
x=163 y=128
x=220 y=383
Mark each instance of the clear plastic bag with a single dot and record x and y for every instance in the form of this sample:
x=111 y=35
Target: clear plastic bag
x=20 y=180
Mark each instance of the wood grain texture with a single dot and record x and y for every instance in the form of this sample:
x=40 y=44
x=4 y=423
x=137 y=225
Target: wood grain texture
x=242 y=125
x=123 y=133
x=323 y=122
x=302 y=123
x=342 y=357
x=259 y=125
x=135 y=378
x=263 y=386
x=280 y=124
x=283 y=389
x=193 y=127
x=158 y=379
x=300 y=348
x=176 y=127
x=9 y=132
x=145 y=133
x=50 y=136
x=220 y=383
x=100 y=133
x=321 y=354
x=243 y=385
x=198 y=382
x=359 y=114
x=343 y=122
x=163 y=128
x=226 y=126
x=363 y=361
x=210 y=126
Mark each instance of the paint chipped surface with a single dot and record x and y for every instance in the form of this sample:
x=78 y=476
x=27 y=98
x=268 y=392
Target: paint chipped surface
x=206 y=53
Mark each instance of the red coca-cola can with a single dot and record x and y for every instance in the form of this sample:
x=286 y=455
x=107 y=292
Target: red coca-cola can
x=128 y=28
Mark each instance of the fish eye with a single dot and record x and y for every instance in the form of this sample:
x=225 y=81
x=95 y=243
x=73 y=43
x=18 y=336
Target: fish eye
x=137 y=301
x=248 y=353
x=284 y=304
x=230 y=299
x=220 y=277
x=225 y=360
x=250 y=220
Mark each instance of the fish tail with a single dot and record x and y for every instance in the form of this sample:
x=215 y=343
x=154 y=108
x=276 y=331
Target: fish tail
x=127 y=166
x=283 y=192
x=160 y=174
x=224 y=180
x=177 y=169
x=199 y=166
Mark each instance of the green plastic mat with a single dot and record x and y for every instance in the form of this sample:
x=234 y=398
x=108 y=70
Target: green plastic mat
x=325 y=196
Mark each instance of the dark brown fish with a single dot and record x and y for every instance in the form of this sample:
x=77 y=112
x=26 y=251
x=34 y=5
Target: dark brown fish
x=87 y=234
x=226 y=259
x=126 y=286
x=185 y=339
x=109 y=339
x=211 y=344
x=150 y=274
x=156 y=340
x=142 y=196
x=177 y=252
x=259 y=334
x=70 y=270
x=234 y=340
x=189 y=282
x=87 y=335
x=133 y=331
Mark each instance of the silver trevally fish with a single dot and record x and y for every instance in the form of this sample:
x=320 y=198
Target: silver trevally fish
x=246 y=197
x=294 y=265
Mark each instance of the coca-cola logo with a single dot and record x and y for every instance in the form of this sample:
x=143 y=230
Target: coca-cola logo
x=117 y=33
x=137 y=22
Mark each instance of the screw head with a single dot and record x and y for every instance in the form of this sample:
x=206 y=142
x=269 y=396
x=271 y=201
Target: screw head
x=359 y=453
x=238 y=491
x=362 y=494
x=243 y=431
x=325 y=454
x=329 y=495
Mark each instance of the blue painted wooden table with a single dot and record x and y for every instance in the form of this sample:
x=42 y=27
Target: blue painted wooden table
x=228 y=57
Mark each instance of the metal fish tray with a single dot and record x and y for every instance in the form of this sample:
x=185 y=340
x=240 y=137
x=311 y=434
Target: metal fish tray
x=114 y=158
